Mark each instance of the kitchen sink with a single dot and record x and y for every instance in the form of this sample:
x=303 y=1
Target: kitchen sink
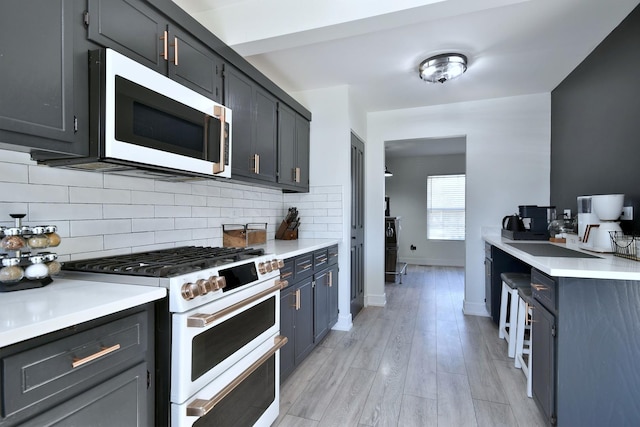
x=549 y=250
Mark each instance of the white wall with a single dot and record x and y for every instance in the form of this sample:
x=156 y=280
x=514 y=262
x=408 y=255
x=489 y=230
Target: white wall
x=507 y=164
x=330 y=170
x=407 y=190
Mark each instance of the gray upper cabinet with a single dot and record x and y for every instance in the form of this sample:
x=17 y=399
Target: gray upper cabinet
x=41 y=98
x=254 y=131
x=138 y=31
x=293 y=150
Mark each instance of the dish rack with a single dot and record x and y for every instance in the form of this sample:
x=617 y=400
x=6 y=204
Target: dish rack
x=624 y=245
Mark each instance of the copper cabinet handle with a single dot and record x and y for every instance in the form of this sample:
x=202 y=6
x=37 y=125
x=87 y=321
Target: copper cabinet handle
x=200 y=320
x=296 y=174
x=307 y=266
x=175 y=51
x=538 y=287
x=94 y=356
x=330 y=278
x=297 y=299
x=256 y=164
x=201 y=407
x=286 y=275
x=165 y=51
x=221 y=113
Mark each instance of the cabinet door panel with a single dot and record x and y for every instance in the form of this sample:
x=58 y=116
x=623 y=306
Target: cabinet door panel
x=130 y=27
x=119 y=401
x=304 y=321
x=543 y=360
x=286 y=145
x=36 y=95
x=238 y=92
x=266 y=132
x=321 y=305
x=196 y=66
x=287 y=327
x=333 y=296
x=302 y=151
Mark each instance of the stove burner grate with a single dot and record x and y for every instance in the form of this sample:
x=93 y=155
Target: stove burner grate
x=165 y=262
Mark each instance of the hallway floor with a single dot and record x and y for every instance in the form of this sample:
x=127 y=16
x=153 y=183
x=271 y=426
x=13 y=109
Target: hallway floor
x=418 y=361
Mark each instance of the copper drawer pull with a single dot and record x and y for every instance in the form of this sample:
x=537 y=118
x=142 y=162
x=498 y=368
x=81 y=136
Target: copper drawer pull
x=201 y=407
x=538 y=287
x=306 y=266
x=165 y=39
x=200 y=320
x=94 y=356
x=286 y=275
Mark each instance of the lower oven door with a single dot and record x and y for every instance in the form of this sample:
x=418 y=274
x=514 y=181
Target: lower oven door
x=210 y=339
x=247 y=394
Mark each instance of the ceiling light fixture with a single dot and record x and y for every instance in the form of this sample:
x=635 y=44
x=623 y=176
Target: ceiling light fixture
x=387 y=172
x=440 y=68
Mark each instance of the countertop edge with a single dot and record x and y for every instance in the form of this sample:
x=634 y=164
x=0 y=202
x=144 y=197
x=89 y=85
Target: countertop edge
x=607 y=267
x=290 y=248
x=101 y=300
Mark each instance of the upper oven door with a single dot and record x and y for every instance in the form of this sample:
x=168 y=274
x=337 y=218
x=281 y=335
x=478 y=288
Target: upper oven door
x=153 y=120
x=209 y=339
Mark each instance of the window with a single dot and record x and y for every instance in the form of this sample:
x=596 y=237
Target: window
x=445 y=207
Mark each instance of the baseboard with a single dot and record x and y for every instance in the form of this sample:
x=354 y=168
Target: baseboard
x=375 y=300
x=433 y=262
x=344 y=323
x=475 y=309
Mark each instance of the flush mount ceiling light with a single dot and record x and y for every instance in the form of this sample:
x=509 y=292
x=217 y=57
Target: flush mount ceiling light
x=387 y=172
x=440 y=68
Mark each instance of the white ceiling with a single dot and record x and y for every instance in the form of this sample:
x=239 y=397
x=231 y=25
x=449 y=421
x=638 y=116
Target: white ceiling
x=374 y=47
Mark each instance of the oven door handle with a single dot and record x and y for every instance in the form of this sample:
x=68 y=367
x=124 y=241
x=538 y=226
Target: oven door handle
x=200 y=407
x=201 y=320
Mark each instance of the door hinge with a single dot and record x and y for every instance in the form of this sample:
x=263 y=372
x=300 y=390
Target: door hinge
x=553 y=331
x=313 y=283
x=85 y=18
x=75 y=124
x=148 y=379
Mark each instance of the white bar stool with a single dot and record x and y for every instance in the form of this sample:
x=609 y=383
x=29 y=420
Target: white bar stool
x=523 y=346
x=509 y=307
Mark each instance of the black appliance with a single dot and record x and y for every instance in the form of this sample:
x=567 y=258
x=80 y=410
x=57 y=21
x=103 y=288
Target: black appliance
x=531 y=224
x=391 y=229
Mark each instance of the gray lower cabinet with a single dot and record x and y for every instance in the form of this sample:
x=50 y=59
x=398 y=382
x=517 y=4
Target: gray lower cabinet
x=309 y=305
x=296 y=323
x=254 y=132
x=43 y=95
x=95 y=373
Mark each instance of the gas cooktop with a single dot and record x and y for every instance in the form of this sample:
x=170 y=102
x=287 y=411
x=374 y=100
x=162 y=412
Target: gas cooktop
x=165 y=262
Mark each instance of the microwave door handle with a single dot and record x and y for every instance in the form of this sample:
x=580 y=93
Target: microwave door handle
x=220 y=112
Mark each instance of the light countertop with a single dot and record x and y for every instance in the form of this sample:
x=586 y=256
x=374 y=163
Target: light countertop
x=33 y=312
x=291 y=248
x=607 y=266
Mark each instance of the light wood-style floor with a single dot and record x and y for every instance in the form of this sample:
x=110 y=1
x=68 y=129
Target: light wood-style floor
x=418 y=361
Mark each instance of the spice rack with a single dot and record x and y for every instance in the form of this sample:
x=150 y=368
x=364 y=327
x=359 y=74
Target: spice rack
x=25 y=263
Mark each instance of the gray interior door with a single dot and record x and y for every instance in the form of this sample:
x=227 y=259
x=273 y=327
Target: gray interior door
x=357 y=225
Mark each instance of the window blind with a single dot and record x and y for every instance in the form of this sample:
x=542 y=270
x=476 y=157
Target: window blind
x=445 y=207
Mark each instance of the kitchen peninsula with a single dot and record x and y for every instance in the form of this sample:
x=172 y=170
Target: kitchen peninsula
x=586 y=332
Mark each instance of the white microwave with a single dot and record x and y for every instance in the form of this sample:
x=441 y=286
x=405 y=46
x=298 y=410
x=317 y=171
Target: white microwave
x=142 y=123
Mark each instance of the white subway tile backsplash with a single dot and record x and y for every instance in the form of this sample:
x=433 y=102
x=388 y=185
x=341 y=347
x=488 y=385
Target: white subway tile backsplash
x=164 y=211
x=99 y=195
x=101 y=226
x=128 y=211
x=59 y=176
x=11 y=172
x=194 y=223
x=152 y=224
x=128 y=240
x=107 y=214
x=20 y=192
x=128 y=183
x=63 y=211
x=152 y=198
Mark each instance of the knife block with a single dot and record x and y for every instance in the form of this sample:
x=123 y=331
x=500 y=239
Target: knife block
x=283 y=233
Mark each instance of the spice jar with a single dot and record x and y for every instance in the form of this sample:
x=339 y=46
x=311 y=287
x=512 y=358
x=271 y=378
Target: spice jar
x=38 y=239
x=54 y=237
x=38 y=269
x=12 y=240
x=51 y=263
x=11 y=270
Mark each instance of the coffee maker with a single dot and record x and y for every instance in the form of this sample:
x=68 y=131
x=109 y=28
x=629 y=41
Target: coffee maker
x=536 y=221
x=599 y=218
